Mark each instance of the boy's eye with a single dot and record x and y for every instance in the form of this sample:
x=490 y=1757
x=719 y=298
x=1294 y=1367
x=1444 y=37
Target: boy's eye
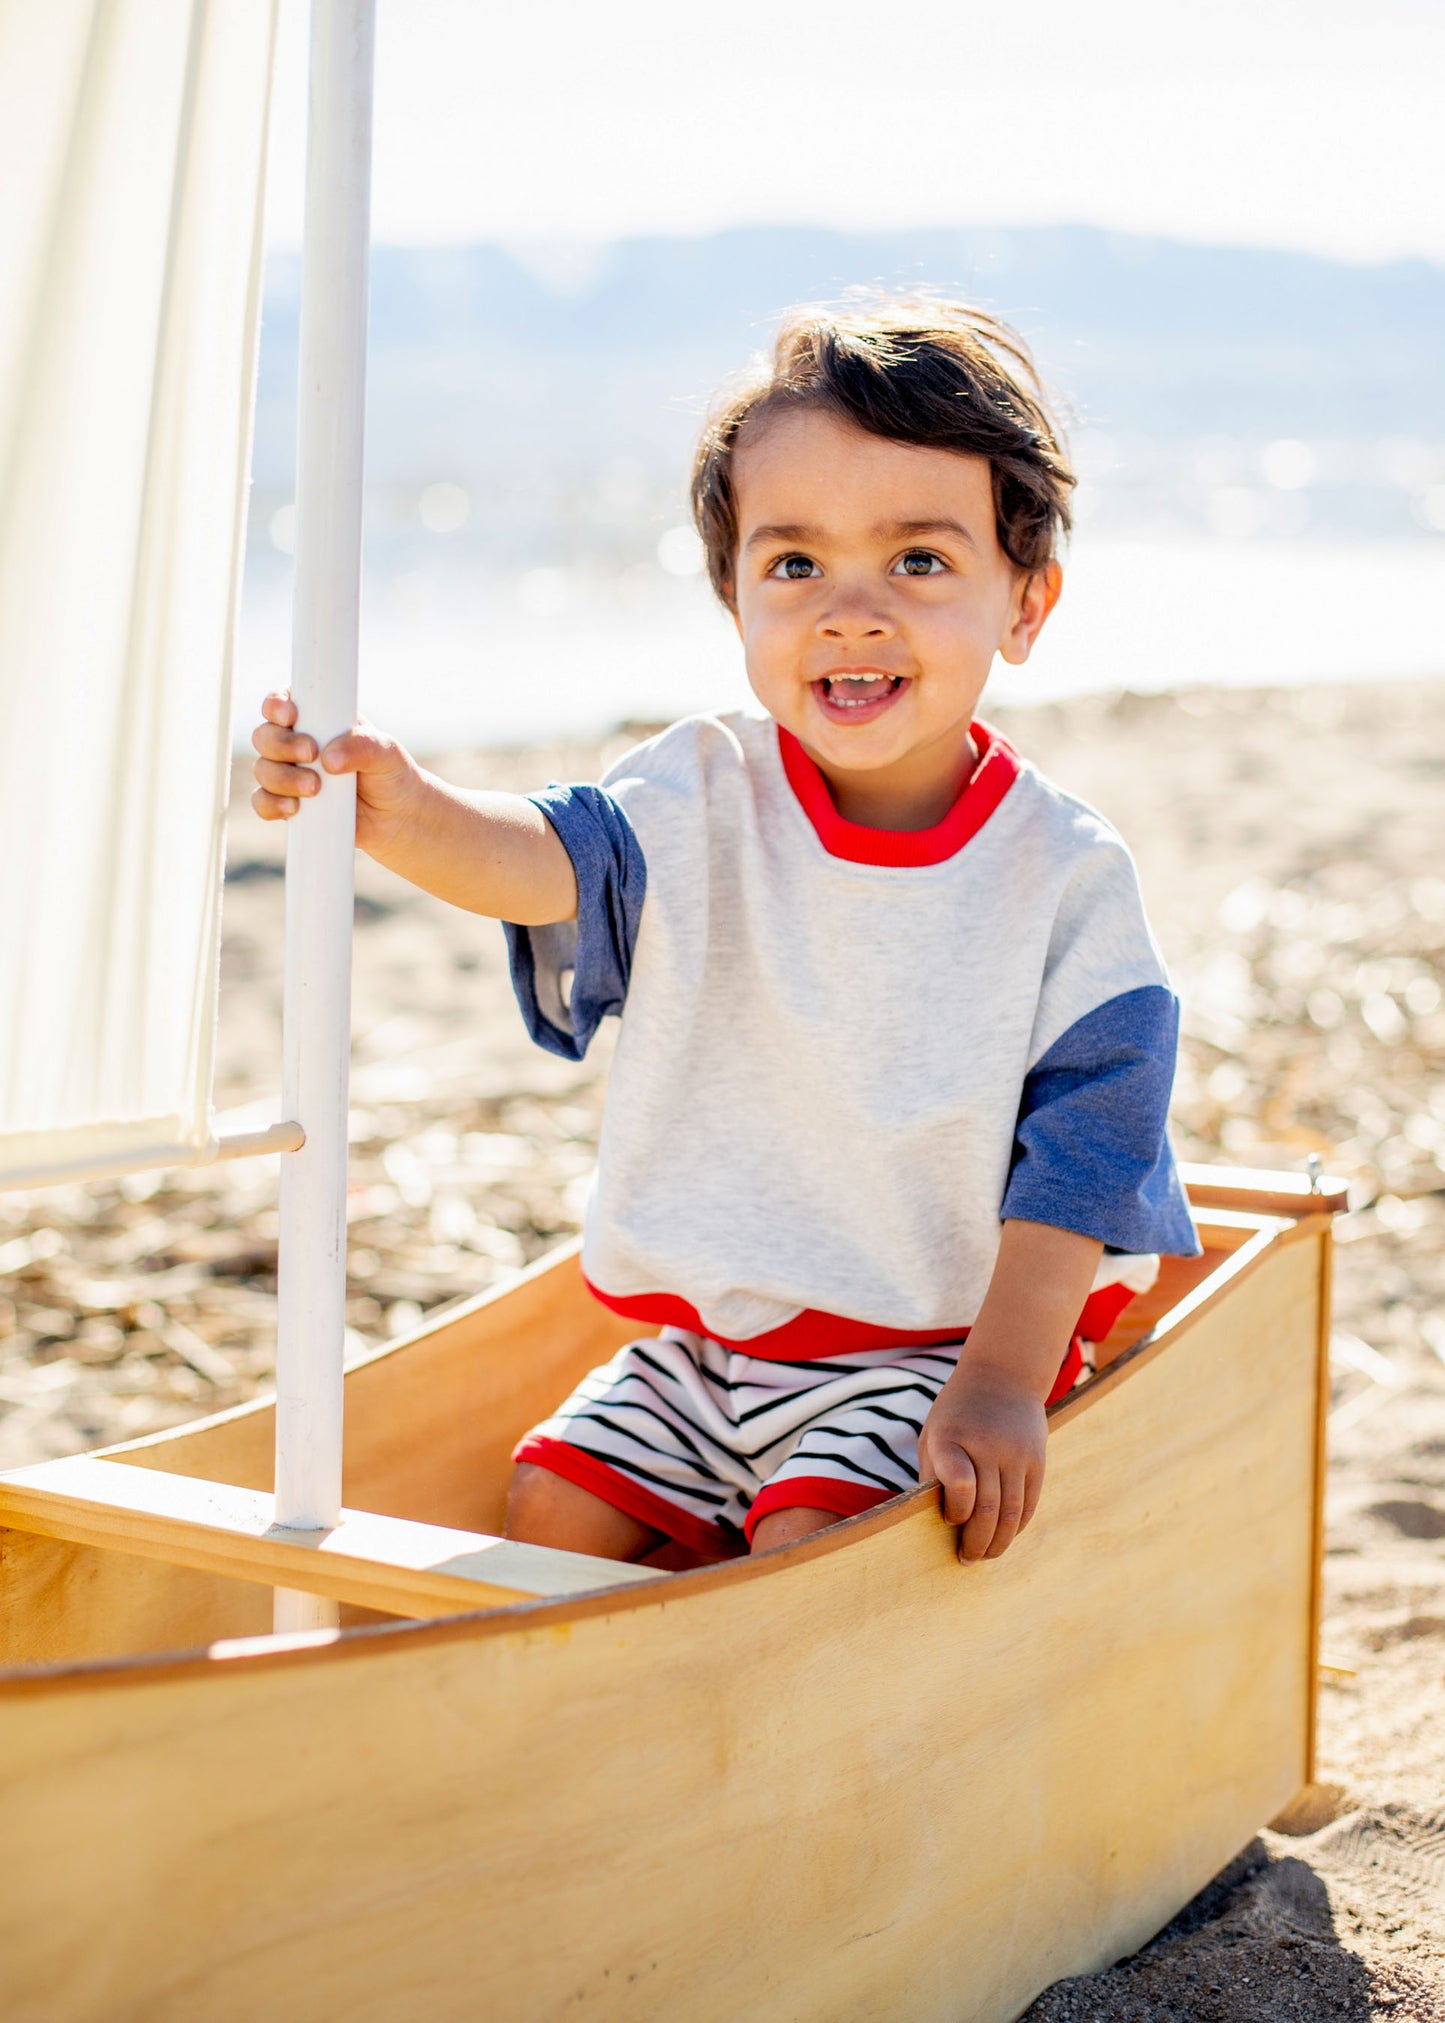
x=795 y=568
x=919 y=562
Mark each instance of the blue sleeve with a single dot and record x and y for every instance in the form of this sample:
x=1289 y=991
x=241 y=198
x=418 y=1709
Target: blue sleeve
x=570 y=976
x=1090 y=1150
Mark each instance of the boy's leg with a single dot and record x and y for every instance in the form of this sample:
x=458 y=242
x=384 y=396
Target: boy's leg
x=546 y=1509
x=638 y=1460
x=857 y=1447
x=782 y=1527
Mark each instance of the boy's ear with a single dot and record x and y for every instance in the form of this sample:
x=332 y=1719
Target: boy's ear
x=1035 y=597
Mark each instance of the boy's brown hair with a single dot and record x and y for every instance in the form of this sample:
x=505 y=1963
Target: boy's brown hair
x=938 y=374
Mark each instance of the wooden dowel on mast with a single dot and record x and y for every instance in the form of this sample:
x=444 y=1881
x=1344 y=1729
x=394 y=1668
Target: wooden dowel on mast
x=321 y=839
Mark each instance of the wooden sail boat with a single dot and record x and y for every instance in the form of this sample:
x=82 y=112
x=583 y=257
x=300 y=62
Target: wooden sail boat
x=846 y=1778
x=451 y=1775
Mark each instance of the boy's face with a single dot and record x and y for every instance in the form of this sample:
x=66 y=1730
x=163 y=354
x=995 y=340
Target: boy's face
x=871 y=596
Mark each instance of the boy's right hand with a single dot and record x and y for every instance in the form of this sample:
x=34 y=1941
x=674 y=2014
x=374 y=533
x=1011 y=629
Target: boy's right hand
x=492 y=853
x=388 y=779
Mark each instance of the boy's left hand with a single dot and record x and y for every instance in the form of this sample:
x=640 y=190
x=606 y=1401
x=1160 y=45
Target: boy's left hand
x=984 y=1440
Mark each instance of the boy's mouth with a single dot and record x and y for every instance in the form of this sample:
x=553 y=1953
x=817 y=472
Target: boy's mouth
x=857 y=698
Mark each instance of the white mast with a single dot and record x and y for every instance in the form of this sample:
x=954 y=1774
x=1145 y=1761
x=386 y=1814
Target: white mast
x=320 y=840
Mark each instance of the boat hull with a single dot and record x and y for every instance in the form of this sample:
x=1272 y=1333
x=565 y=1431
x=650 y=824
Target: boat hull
x=848 y=1779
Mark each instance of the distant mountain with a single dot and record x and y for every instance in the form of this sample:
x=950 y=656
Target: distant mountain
x=564 y=402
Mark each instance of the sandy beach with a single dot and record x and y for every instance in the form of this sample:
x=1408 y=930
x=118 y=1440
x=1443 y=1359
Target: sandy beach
x=1292 y=848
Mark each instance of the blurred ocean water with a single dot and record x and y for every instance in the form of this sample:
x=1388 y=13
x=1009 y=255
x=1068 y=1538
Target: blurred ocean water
x=1260 y=438
x=447 y=663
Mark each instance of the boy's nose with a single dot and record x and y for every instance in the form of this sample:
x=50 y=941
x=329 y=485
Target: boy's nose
x=854 y=618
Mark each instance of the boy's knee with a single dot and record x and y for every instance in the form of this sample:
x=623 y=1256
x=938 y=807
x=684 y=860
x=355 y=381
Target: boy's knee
x=531 y=1495
x=546 y=1509
x=783 y=1527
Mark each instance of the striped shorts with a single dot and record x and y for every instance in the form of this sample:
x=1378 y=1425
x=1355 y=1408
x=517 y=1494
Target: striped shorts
x=701 y=1443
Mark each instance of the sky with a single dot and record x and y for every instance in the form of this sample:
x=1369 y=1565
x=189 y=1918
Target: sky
x=1311 y=124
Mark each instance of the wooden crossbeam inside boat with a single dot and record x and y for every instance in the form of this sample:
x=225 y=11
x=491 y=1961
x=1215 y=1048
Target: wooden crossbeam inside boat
x=386 y=1563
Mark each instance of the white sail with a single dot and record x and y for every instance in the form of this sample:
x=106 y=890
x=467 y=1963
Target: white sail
x=132 y=157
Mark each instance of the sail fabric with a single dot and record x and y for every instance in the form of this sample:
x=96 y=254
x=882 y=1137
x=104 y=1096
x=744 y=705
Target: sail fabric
x=132 y=157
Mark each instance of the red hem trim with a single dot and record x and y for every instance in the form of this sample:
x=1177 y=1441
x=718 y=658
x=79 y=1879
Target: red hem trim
x=622 y=1492
x=810 y=1336
x=1069 y=1370
x=1102 y=1309
x=815 y=1492
x=806 y=1337
x=997 y=769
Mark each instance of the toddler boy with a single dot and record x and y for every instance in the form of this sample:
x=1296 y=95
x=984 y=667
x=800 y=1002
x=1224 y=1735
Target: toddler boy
x=884 y=1133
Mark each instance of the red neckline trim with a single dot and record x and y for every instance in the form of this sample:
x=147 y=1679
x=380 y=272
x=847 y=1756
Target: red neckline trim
x=997 y=769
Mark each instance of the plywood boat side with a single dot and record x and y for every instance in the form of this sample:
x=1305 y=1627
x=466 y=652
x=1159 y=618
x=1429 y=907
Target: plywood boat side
x=847 y=1779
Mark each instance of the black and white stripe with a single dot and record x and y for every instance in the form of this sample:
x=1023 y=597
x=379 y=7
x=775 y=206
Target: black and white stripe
x=706 y=1428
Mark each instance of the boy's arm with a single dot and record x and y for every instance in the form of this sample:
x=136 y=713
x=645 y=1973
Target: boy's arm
x=984 y=1438
x=490 y=853
x=1091 y=1155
